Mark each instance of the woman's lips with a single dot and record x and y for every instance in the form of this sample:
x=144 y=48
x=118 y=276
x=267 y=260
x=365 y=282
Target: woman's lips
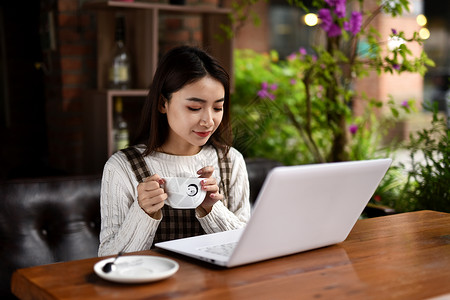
x=202 y=133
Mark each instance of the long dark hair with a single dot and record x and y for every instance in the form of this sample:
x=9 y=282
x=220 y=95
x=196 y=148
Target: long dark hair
x=178 y=67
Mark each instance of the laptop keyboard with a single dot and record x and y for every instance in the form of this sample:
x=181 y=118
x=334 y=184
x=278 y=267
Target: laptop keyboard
x=223 y=249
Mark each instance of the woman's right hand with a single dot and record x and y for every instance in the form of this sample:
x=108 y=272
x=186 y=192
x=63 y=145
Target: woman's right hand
x=151 y=195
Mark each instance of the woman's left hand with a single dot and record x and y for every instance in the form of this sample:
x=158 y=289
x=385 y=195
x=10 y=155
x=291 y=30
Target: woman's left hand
x=209 y=184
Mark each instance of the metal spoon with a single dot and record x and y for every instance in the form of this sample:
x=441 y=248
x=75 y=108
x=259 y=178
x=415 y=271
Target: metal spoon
x=108 y=267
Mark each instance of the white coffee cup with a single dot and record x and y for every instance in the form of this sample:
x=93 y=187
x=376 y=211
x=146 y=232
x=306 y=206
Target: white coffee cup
x=184 y=192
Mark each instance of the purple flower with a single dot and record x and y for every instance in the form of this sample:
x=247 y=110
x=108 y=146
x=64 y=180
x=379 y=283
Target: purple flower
x=340 y=9
x=273 y=87
x=394 y=31
x=292 y=56
x=293 y=81
x=264 y=93
x=396 y=66
x=302 y=51
x=314 y=58
x=327 y=19
x=346 y=26
x=334 y=30
x=353 y=128
x=319 y=91
x=334 y=3
x=405 y=103
x=355 y=22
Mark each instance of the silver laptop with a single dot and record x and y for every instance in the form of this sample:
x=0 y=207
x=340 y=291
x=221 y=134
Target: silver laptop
x=299 y=208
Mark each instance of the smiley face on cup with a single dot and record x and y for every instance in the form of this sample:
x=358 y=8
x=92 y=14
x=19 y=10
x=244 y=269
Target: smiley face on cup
x=192 y=190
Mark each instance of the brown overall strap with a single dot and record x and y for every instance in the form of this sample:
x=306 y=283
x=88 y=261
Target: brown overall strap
x=137 y=162
x=176 y=223
x=225 y=174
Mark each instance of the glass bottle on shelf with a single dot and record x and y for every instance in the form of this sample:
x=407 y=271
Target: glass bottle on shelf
x=120 y=130
x=119 y=73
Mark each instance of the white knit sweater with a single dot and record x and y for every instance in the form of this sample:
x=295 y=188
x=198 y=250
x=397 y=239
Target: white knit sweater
x=125 y=226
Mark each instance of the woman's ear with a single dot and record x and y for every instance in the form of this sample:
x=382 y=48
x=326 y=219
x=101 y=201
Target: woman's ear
x=162 y=105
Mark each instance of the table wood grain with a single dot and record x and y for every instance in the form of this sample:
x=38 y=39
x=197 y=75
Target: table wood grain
x=403 y=256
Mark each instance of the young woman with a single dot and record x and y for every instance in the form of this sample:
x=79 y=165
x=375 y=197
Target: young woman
x=185 y=132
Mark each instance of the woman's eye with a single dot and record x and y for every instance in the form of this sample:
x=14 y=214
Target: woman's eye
x=193 y=108
x=218 y=108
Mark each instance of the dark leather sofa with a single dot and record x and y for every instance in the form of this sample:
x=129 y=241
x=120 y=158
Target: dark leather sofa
x=54 y=219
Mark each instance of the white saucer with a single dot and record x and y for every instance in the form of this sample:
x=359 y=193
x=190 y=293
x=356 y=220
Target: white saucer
x=137 y=269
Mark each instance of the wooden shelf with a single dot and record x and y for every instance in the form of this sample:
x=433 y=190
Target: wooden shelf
x=142 y=35
x=98 y=106
x=198 y=9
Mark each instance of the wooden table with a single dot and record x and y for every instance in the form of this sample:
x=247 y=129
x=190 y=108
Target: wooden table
x=404 y=256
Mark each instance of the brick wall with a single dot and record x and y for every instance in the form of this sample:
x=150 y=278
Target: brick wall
x=72 y=71
x=251 y=36
x=176 y=29
x=399 y=86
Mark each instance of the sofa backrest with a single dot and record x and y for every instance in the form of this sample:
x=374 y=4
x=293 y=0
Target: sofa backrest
x=47 y=220
x=257 y=169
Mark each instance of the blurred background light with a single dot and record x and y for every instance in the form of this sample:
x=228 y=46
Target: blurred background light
x=311 y=19
x=424 y=33
x=421 y=20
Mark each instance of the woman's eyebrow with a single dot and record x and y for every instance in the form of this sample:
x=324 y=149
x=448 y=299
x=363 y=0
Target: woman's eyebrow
x=195 y=99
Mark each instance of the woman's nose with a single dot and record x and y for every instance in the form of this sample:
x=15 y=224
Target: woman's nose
x=207 y=119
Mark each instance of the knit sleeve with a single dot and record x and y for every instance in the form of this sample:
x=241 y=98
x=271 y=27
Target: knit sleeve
x=237 y=214
x=124 y=225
